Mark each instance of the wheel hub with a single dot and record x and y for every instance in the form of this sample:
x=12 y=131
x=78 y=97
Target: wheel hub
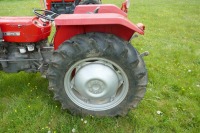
x=96 y=84
x=96 y=81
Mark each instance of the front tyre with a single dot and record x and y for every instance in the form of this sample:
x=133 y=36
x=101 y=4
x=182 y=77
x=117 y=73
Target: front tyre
x=97 y=74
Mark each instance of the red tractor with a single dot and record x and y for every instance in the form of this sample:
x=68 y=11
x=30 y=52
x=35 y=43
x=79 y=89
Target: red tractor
x=66 y=6
x=91 y=65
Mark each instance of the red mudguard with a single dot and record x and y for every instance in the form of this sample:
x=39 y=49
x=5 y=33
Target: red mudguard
x=116 y=23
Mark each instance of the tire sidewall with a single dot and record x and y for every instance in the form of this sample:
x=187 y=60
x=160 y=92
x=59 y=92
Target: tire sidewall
x=109 y=56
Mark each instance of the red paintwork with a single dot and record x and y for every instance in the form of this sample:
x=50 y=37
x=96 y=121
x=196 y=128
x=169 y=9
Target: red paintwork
x=31 y=29
x=68 y=25
x=73 y=24
x=104 y=8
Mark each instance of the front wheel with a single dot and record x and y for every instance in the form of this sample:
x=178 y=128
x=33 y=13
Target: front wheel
x=97 y=74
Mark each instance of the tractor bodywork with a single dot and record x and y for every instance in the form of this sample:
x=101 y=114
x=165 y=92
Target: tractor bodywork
x=24 y=29
x=109 y=19
x=91 y=66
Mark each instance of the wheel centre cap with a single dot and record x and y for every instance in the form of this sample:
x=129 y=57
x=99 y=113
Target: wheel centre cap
x=96 y=81
x=96 y=86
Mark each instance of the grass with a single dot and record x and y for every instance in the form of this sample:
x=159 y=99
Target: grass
x=173 y=39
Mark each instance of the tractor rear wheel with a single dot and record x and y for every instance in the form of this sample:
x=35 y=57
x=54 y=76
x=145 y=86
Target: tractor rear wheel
x=97 y=74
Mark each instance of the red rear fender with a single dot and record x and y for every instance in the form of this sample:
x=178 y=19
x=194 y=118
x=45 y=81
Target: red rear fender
x=73 y=24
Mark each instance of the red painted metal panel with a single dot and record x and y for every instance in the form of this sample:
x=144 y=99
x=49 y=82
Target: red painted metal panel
x=66 y=32
x=104 y=8
x=96 y=19
x=73 y=24
x=30 y=29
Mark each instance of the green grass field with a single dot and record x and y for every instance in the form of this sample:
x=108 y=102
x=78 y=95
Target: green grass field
x=173 y=39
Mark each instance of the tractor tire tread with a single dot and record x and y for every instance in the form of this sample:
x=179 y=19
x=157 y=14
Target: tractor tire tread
x=95 y=45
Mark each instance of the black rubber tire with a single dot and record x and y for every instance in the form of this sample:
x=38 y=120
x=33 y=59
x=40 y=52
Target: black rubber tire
x=86 y=2
x=105 y=46
x=1 y=68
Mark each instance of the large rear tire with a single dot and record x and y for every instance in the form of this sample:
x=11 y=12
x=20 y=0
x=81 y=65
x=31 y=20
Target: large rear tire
x=97 y=74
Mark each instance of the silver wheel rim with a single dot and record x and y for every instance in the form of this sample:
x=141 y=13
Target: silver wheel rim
x=96 y=84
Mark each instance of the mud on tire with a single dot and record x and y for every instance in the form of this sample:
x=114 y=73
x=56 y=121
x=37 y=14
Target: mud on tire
x=97 y=74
